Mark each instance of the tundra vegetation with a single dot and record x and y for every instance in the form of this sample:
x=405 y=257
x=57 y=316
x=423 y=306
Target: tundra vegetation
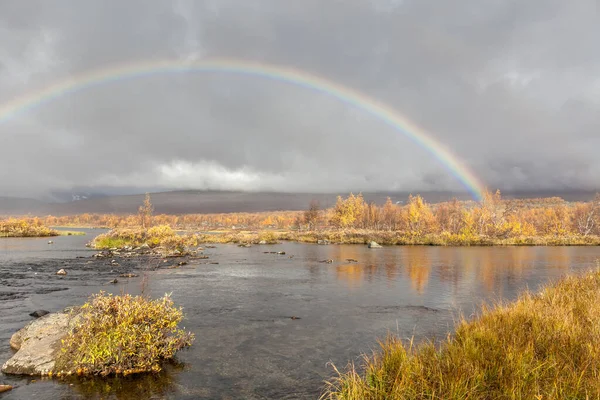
x=122 y=335
x=25 y=227
x=491 y=221
x=543 y=346
x=162 y=236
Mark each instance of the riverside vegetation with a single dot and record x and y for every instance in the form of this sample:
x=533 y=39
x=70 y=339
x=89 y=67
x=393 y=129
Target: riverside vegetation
x=492 y=221
x=30 y=227
x=122 y=335
x=108 y=335
x=162 y=236
x=543 y=346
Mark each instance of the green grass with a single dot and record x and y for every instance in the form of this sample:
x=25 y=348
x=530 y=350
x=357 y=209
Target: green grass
x=543 y=346
x=109 y=242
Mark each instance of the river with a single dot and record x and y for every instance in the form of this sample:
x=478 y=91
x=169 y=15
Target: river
x=247 y=346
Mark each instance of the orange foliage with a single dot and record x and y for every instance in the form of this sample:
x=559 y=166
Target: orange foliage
x=492 y=218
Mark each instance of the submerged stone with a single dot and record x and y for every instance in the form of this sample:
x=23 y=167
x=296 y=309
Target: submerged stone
x=39 y=313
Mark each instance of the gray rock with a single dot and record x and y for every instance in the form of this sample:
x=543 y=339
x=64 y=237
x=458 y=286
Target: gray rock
x=39 y=313
x=323 y=241
x=262 y=242
x=38 y=345
x=374 y=245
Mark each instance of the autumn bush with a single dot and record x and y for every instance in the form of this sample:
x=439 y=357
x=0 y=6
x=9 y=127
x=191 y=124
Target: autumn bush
x=30 y=227
x=122 y=335
x=157 y=236
x=543 y=346
x=268 y=237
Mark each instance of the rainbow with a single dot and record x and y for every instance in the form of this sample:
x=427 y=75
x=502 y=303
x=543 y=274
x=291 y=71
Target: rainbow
x=288 y=75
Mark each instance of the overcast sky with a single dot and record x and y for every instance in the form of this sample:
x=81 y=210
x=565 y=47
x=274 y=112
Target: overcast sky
x=511 y=87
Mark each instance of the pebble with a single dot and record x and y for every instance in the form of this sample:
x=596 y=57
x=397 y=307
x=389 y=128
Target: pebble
x=39 y=313
x=5 y=388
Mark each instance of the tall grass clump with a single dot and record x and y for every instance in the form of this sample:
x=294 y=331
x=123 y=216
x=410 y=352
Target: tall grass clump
x=122 y=335
x=543 y=346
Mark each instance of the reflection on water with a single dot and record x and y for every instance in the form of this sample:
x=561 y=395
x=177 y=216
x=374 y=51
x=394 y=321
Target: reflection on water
x=489 y=267
x=418 y=265
x=142 y=386
x=247 y=345
x=19 y=249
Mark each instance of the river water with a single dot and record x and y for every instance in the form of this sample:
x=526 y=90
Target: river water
x=247 y=346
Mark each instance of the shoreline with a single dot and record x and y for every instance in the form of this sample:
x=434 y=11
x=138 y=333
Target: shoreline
x=190 y=238
x=386 y=238
x=521 y=349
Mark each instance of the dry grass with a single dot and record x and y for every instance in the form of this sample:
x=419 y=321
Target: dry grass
x=25 y=228
x=543 y=346
x=122 y=335
x=362 y=236
x=71 y=233
x=156 y=236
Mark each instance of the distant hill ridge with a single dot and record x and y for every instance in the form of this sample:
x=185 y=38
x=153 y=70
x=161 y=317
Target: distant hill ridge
x=195 y=201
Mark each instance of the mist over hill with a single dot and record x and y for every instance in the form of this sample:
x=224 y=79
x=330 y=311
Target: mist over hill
x=192 y=201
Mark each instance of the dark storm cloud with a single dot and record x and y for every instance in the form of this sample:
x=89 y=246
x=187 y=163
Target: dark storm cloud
x=511 y=88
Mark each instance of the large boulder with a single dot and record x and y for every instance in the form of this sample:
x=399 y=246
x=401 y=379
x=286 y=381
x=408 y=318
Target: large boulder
x=374 y=245
x=38 y=345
